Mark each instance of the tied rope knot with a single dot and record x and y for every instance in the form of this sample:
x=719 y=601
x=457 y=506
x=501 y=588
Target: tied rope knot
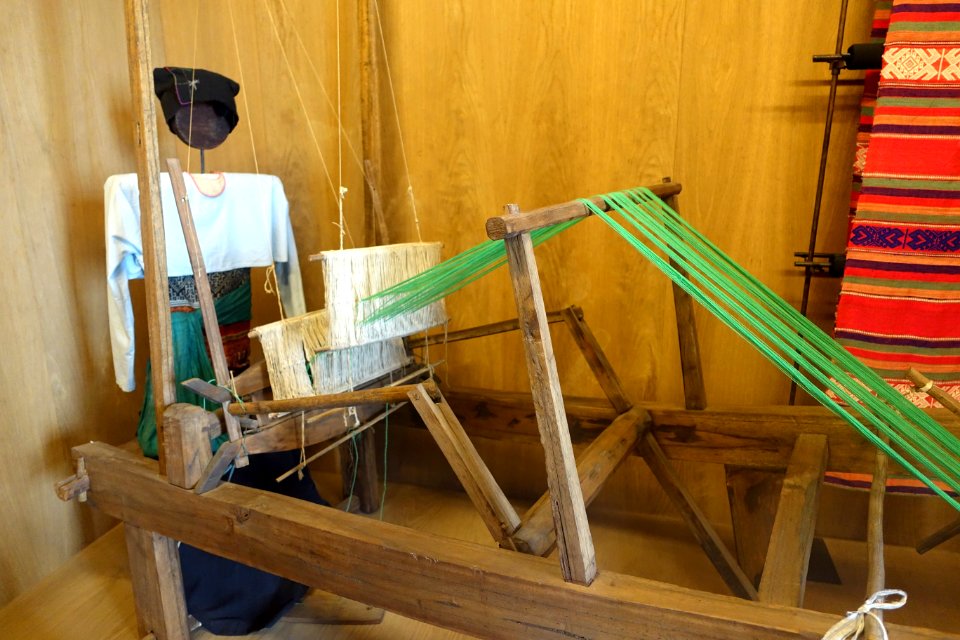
x=851 y=627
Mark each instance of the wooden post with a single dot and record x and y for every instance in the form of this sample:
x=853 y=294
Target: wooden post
x=876 y=572
x=157 y=584
x=788 y=556
x=375 y=225
x=151 y=215
x=753 y=495
x=577 y=556
x=207 y=305
x=694 y=392
x=358 y=471
x=495 y=510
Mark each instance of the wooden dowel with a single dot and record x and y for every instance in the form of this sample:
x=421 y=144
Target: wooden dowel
x=383 y=395
x=921 y=381
x=500 y=227
x=480 y=331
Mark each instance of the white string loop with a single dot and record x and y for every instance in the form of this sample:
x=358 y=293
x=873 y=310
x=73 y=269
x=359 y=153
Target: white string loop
x=851 y=627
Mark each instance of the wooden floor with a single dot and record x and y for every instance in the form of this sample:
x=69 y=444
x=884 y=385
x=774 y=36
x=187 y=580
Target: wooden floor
x=90 y=597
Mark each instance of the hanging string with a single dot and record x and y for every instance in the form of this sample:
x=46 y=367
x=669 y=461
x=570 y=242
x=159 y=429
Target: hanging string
x=303 y=106
x=386 y=440
x=246 y=105
x=343 y=189
x=193 y=84
x=854 y=625
x=272 y=286
x=396 y=114
x=303 y=445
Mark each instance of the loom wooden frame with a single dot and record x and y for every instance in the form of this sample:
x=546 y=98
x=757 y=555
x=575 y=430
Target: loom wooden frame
x=490 y=593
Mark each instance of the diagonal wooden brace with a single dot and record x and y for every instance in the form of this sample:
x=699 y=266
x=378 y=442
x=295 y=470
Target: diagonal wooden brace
x=495 y=510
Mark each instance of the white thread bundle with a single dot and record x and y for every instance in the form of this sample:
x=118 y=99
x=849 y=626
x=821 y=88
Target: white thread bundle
x=288 y=345
x=339 y=370
x=353 y=274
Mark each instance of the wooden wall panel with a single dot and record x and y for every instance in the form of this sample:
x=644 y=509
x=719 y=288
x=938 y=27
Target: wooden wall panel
x=752 y=112
x=537 y=103
x=65 y=124
x=289 y=76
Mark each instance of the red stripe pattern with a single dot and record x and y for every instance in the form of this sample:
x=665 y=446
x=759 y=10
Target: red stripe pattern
x=900 y=299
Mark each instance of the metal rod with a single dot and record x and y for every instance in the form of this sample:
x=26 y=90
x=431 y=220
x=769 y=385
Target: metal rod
x=824 y=154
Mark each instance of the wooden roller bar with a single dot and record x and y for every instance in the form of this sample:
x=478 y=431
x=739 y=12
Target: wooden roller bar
x=500 y=227
x=382 y=395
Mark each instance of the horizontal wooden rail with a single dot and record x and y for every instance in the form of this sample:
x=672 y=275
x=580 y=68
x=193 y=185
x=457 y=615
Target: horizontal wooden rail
x=382 y=395
x=500 y=227
x=466 y=587
x=480 y=331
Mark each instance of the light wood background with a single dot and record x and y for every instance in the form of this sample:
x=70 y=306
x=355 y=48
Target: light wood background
x=498 y=102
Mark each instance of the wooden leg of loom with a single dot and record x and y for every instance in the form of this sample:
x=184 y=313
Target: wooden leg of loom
x=788 y=556
x=577 y=555
x=661 y=468
x=753 y=496
x=358 y=471
x=495 y=510
x=157 y=584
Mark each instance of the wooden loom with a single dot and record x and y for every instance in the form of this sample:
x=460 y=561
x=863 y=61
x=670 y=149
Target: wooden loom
x=490 y=593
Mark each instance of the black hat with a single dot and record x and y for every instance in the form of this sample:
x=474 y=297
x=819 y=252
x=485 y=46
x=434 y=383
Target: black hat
x=214 y=113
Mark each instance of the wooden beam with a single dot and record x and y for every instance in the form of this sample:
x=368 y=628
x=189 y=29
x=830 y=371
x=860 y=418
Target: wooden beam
x=595 y=465
x=380 y=395
x=939 y=536
x=753 y=495
x=139 y=58
x=376 y=230
x=208 y=310
x=495 y=510
x=760 y=437
x=513 y=224
x=466 y=587
x=694 y=391
x=596 y=359
x=481 y=331
x=788 y=556
x=157 y=584
x=706 y=535
x=577 y=556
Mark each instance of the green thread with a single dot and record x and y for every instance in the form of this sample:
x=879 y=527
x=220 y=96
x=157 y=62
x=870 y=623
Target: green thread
x=790 y=341
x=386 y=440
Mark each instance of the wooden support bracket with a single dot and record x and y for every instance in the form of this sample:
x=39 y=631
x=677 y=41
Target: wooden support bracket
x=157 y=584
x=788 y=556
x=76 y=486
x=595 y=465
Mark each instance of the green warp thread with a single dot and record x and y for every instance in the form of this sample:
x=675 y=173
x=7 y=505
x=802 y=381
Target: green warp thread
x=795 y=346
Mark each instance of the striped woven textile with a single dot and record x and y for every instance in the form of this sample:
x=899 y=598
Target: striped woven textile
x=900 y=299
x=868 y=103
